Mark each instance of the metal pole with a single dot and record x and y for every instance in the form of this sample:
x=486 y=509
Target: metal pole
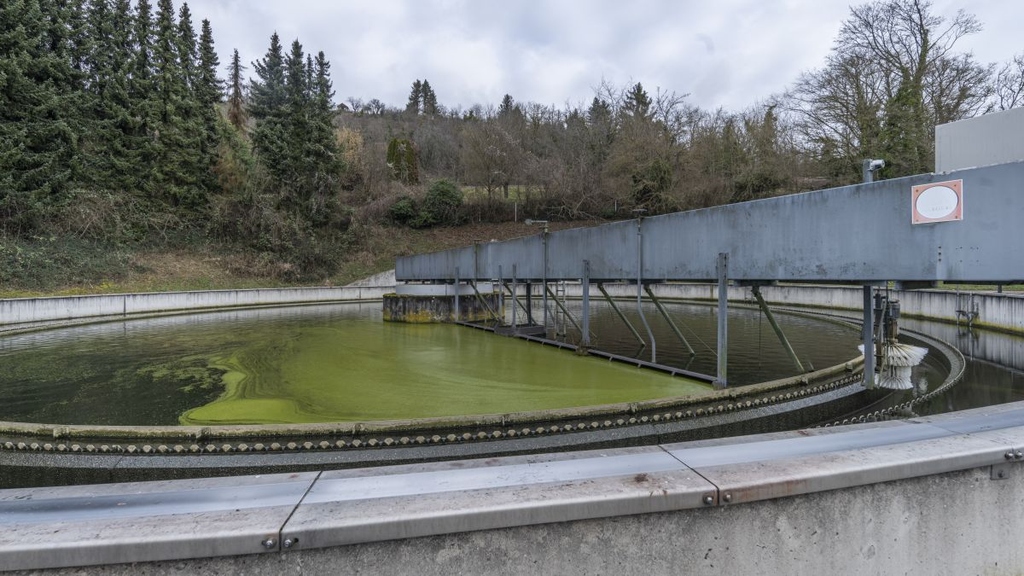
x=529 y=303
x=721 y=381
x=544 y=293
x=586 y=304
x=671 y=324
x=756 y=290
x=501 y=295
x=457 y=316
x=640 y=287
x=515 y=301
x=868 y=335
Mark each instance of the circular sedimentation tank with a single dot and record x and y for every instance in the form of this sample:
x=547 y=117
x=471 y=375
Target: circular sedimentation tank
x=230 y=418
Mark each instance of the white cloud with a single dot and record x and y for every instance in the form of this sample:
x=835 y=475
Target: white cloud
x=729 y=53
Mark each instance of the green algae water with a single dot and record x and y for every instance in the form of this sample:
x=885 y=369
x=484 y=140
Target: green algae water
x=332 y=363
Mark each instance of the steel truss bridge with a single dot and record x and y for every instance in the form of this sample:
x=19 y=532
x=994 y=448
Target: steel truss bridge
x=958 y=227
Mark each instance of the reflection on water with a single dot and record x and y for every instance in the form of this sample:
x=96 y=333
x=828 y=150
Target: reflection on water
x=994 y=373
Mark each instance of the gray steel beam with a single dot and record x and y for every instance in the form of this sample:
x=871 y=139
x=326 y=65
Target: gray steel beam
x=721 y=379
x=862 y=234
x=586 y=305
x=622 y=316
x=565 y=311
x=756 y=290
x=868 y=335
x=671 y=323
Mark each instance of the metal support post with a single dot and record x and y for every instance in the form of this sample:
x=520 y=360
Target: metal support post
x=515 y=301
x=529 y=303
x=501 y=295
x=544 y=293
x=721 y=381
x=456 y=317
x=868 y=336
x=622 y=316
x=756 y=290
x=640 y=289
x=586 y=304
x=671 y=324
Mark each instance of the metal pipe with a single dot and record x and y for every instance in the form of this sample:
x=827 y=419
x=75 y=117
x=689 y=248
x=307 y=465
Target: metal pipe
x=457 y=317
x=639 y=287
x=756 y=290
x=529 y=303
x=515 y=301
x=544 y=293
x=586 y=304
x=671 y=324
x=721 y=381
x=622 y=316
x=868 y=336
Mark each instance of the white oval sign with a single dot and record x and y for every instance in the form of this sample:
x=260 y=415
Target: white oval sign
x=937 y=202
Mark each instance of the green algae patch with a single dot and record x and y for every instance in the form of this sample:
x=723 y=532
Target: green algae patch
x=365 y=370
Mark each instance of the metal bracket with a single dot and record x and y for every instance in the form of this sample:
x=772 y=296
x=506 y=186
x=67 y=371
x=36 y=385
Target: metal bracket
x=1000 y=471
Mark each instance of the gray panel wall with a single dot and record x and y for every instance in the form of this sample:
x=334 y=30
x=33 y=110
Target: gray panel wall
x=861 y=233
x=982 y=141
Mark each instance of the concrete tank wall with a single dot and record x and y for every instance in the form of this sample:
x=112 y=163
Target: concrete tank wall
x=20 y=311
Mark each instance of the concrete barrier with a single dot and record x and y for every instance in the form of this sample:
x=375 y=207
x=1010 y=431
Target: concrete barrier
x=20 y=313
x=937 y=495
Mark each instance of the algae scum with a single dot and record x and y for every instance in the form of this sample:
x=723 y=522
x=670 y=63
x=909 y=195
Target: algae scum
x=289 y=365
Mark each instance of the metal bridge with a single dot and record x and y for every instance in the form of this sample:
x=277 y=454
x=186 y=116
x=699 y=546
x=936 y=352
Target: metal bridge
x=959 y=227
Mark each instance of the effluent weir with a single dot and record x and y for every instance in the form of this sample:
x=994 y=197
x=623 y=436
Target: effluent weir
x=666 y=303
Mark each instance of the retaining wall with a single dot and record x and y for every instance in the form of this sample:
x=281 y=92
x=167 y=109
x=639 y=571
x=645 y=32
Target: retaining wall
x=19 y=312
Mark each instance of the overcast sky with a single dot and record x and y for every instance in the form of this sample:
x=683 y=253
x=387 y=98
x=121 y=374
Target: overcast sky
x=728 y=53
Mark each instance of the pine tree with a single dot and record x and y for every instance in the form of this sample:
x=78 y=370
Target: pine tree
x=237 y=115
x=430 y=107
x=295 y=165
x=324 y=144
x=107 y=151
x=209 y=94
x=141 y=87
x=638 y=103
x=175 y=141
x=267 y=100
x=413 y=106
x=37 y=145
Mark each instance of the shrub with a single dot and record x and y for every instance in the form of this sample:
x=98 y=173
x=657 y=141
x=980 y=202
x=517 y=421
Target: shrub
x=403 y=211
x=441 y=204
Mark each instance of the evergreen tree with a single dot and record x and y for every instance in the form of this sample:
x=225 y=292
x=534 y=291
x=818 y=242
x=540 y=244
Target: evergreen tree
x=175 y=142
x=141 y=86
x=638 y=103
x=508 y=106
x=209 y=94
x=237 y=115
x=430 y=106
x=324 y=144
x=107 y=149
x=267 y=105
x=414 y=105
x=294 y=167
x=37 y=145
